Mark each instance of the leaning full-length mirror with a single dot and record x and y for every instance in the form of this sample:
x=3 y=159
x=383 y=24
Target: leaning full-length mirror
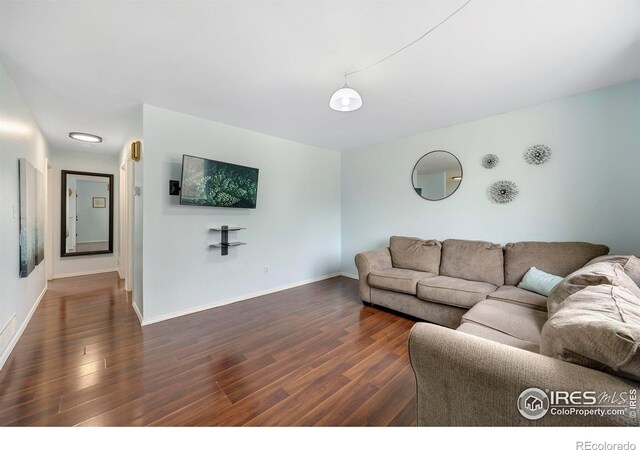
x=86 y=213
x=437 y=175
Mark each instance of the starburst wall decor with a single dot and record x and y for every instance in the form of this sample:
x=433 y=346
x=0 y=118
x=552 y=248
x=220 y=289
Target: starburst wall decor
x=537 y=154
x=490 y=161
x=503 y=191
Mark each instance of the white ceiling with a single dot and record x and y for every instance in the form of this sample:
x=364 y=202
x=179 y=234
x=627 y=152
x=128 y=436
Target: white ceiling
x=271 y=66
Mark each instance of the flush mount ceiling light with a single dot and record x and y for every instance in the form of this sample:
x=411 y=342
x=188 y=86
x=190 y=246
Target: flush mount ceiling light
x=85 y=137
x=347 y=99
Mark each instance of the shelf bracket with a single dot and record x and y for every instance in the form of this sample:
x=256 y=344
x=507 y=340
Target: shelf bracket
x=224 y=239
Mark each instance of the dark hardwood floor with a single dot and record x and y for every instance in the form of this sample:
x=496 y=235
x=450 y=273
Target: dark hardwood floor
x=312 y=355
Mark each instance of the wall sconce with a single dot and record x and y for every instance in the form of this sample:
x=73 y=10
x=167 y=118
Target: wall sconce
x=135 y=151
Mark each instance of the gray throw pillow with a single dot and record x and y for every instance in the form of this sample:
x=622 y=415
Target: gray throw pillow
x=539 y=281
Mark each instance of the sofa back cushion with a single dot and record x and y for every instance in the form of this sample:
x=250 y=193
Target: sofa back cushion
x=557 y=258
x=473 y=260
x=415 y=254
x=597 y=327
x=590 y=275
x=630 y=264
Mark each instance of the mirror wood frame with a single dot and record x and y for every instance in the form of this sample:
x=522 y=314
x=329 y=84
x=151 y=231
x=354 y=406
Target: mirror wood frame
x=63 y=214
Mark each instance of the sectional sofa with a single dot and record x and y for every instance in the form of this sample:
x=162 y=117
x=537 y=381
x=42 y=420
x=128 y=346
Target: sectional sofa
x=494 y=340
x=440 y=281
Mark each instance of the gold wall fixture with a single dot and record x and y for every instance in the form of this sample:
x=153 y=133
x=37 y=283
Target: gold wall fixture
x=135 y=151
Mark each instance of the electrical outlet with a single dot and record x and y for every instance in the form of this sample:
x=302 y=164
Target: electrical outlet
x=266 y=270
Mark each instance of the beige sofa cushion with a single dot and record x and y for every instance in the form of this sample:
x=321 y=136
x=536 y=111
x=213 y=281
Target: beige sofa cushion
x=597 y=327
x=630 y=264
x=398 y=280
x=520 y=297
x=472 y=260
x=497 y=336
x=453 y=291
x=514 y=320
x=591 y=275
x=557 y=258
x=415 y=254
x=445 y=315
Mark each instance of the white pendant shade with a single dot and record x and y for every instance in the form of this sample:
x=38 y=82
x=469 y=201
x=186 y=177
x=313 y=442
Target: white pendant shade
x=345 y=99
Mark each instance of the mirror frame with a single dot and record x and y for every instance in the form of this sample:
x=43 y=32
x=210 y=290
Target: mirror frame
x=437 y=199
x=63 y=214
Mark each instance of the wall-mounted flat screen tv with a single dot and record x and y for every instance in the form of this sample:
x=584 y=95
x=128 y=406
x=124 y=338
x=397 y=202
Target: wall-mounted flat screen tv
x=206 y=182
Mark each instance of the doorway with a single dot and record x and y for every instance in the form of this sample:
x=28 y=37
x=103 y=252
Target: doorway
x=125 y=253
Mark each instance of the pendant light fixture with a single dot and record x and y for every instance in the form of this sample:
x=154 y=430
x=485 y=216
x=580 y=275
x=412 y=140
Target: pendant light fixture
x=347 y=99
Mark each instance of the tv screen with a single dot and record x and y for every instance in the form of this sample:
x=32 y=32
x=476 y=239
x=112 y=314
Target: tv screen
x=215 y=183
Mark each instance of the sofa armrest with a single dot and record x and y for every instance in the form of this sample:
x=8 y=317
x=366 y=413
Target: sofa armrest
x=464 y=380
x=368 y=261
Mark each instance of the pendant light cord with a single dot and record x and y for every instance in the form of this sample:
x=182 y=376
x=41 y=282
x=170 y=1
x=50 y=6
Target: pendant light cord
x=409 y=44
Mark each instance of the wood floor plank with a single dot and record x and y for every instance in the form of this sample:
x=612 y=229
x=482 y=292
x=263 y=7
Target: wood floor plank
x=407 y=416
x=393 y=395
x=311 y=355
x=298 y=404
x=338 y=406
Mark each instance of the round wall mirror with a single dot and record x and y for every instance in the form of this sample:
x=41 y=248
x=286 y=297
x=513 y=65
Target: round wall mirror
x=437 y=175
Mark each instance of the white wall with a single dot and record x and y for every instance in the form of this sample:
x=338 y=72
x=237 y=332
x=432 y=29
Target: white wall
x=295 y=230
x=89 y=161
x=20 y=137
x=588 y=191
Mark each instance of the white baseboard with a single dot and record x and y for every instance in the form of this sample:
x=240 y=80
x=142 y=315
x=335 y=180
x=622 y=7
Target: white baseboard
x=79 y=274
x=184 y=312
x=348 y=275
x=137 y=311
x=7 y=352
